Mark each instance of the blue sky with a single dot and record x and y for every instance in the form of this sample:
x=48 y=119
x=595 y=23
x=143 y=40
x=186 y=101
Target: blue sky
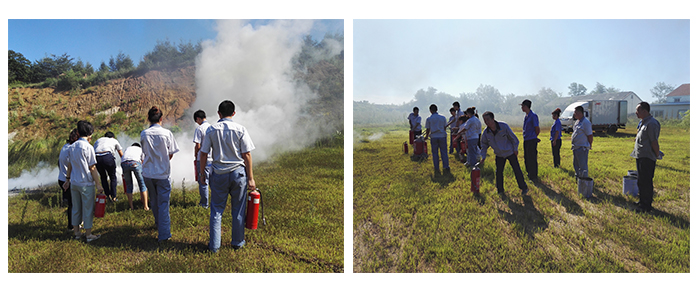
x=95 y=41
x=395 y=58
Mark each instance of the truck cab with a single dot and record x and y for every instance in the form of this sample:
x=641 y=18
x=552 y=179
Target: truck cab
x=567 y=116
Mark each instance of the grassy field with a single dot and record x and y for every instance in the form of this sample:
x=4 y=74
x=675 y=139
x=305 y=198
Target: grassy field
x=406 y=219
x=303 y=202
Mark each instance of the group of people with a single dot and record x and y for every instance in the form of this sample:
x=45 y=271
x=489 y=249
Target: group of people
x=498 y=136
x=223 y=164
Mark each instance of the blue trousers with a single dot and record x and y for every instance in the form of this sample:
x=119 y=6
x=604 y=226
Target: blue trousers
x=204 y=188
x=472 y=151
x=441 y=144
x=135 y=167
x=159 y=197
x=581 y=162
x=235 y=184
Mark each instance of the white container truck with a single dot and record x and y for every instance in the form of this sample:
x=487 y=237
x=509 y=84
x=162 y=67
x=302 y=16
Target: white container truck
x=604 y=115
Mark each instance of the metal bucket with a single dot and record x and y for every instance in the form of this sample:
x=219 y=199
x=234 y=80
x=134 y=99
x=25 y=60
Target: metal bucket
x=585 y=186
x=629 y=185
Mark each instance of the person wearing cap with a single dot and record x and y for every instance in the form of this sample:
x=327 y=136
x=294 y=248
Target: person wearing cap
x=435 y=129
x=106 y=164
x=646 y=152
x=414 y=122
x=581 y=142
x=229 y=144
x=501 y=138
x=555 y=137
x=531 y=129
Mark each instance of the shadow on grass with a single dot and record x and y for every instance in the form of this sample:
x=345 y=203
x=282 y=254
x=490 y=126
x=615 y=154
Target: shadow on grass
x=623 y=203
x=670 y=168
x=570 y=206
x=444 y=179
x=526 y=216
x=125 y=237
x=615 y=135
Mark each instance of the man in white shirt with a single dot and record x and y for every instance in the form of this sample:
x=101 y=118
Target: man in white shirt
x=435 y=127
x=414 y=123
x=63 y=174
x=106 y=165
x=200 y=117
x=81 y=180
x=229 y=144
x=158 y=145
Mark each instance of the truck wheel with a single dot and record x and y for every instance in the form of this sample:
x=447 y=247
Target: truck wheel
x=612 y=129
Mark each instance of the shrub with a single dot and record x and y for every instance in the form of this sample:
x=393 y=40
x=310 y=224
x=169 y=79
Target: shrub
x=118 y=117
x=70 y=80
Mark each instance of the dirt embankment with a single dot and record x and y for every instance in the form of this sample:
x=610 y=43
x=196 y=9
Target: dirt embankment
x=47 y=109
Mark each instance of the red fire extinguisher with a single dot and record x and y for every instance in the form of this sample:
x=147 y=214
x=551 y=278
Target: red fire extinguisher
x=463 y=146
x=411 y=136
x=405 y=147
x=100 y=205
x=254 y=202
x=476 y=178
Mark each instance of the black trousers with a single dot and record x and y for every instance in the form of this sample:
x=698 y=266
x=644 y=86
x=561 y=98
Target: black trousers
x=108 y=168
x=645 y=181
x=556 y=147
x=500 y=165
x=68 y=201
x=530 y=149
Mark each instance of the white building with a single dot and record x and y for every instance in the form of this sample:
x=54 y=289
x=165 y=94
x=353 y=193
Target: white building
x=677 y=103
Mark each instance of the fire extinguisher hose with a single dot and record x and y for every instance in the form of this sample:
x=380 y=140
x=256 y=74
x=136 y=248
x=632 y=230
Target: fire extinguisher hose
x=262 y=209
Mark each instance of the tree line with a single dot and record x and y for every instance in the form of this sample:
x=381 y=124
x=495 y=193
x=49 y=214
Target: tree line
x=65 y=72
x=485 y=98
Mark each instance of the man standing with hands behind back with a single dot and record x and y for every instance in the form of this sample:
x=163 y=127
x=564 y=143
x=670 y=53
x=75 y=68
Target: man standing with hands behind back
x=646 y=151
x=531 y=129
x=229 y=144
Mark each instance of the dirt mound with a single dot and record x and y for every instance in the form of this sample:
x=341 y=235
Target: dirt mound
x=36 y=112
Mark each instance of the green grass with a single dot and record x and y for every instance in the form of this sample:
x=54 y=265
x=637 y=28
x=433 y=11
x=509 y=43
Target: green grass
x=406 y=219
x=303 y=201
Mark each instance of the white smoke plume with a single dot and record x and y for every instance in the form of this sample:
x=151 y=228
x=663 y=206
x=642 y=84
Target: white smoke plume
x=42 y=175
x=253 y=68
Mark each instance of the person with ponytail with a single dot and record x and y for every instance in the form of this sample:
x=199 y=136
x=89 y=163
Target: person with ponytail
x=158 y=146
x=555 y=136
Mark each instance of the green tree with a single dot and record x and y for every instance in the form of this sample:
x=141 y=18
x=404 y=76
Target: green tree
x=103 y=68
x=51 y=67
x=576 y=89
x=18 y=67
x=661 y=90
x=488 y=98
x=122 y=62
